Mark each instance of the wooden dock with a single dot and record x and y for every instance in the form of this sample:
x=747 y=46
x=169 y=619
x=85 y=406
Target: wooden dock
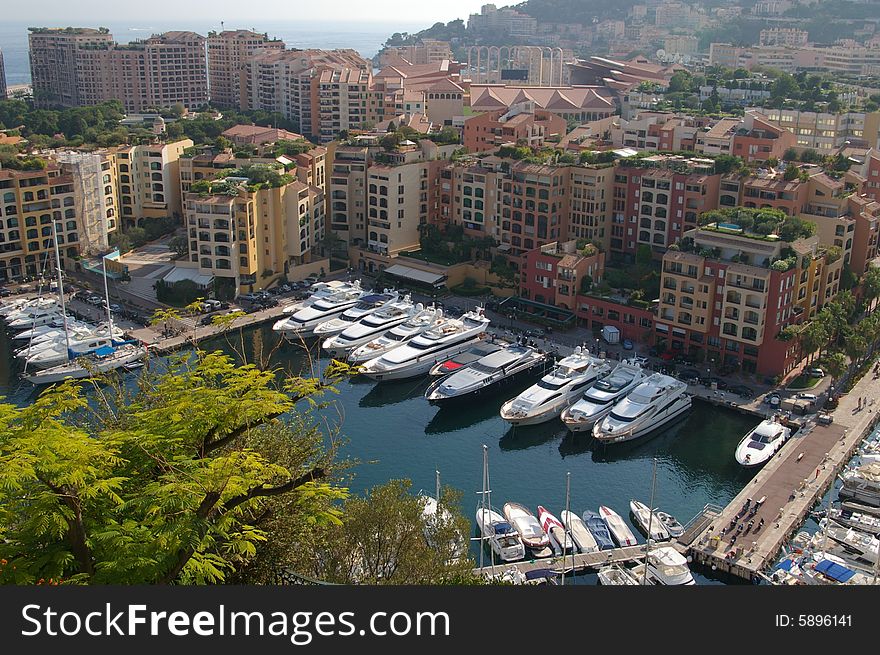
x=790 y=484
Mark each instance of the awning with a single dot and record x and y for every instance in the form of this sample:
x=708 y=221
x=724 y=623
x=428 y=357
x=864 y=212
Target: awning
x=416 y=275
x=178 y=274
x=834 y=570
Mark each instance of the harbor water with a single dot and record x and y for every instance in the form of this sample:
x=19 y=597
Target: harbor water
x=393 y=432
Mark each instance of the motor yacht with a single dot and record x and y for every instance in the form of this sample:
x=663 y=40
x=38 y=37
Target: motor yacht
x=102 y=360
x=61 y=353
x=371 y=326
x=761 y=443
x=529 y=528
x=861 y=521
x=397 y=336
x=618 y=527
x=447 y=338
x=318 y=291
x=466 y=357
x=658 y=400
x=598 y=400
x=862 y=484
x=546 y=399
x=863 y=546
x=666 y=566
x=643 y=517
x=488 y=374
x=560 y=540
x=302 y=323
x=503 y=539
x=616 y=575
x=365 y=306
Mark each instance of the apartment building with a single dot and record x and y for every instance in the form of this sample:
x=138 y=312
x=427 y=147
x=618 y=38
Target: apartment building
x=728 y=308
x=590 y=204
x=824 y=132
x=866 y=214
x=787 y=36
x=93 y=176
x=757 y=140
x=343 y=102
x=510 y=22
x=657 y=198
x=846 y=57
x=149 y=181
x=554 y=273
x=522 y=124
x=581 y=103
x=57 y=74
x=426 y=51
x=228 y=53
x=247 y=237
x=31 y=202
x=871 y=172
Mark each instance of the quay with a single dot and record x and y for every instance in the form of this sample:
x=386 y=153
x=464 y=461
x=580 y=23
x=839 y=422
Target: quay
x=788 y=487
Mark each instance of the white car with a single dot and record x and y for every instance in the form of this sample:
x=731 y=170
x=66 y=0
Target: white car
x=808 y=396
x=816 y=373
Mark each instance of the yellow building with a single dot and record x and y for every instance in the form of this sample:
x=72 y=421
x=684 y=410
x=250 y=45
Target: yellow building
x=149 y=181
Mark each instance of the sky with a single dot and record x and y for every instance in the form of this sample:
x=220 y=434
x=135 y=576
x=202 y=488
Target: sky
x=382 y=11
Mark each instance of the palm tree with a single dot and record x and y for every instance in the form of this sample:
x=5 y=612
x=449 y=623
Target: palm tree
x=814 y=335
x=871 y=286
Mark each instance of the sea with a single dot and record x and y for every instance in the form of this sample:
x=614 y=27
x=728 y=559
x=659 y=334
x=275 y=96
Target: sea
x=365 y=37
x=392 y=431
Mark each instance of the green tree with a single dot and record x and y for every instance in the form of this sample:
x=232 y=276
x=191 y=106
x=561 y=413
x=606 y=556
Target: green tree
x=871 y=285
x=180 y=246
x=791 y=173
x=166 y=484
x=834 y=364
x=813 y=336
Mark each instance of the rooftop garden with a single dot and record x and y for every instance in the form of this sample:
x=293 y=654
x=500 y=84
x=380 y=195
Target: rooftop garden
x=258 y=176
x=764 y=224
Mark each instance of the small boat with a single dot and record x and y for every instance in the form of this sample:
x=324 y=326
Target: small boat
x=434 y=520
x=529 y=528
x=666 y=566
x=599 y=529
x=673 y=527
x=133 y=366
x=643 y=516
x=618 y=528
x=583 y=538
x=615 y=574
x=101 y=361
x=761 y=443
x=503 y=538
x=487 y=375
x=466 y=358
x=559 y=538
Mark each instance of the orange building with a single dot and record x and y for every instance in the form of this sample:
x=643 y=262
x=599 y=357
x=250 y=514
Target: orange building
x=520 y=124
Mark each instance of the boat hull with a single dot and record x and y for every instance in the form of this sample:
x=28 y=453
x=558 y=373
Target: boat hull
x=417 y=367
x=492 y=387
x=547 y=414
x=641 y=431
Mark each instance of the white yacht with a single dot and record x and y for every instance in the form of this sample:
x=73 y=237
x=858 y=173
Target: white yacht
x=487 y=374
x=50 y=330
x=318 y=291
x=530 y=531
x=302 y=323
x=862 y=484
x=583 y=538
x=644 y=517
x=466 y=357
x=658 y=400
x=666 y=566
x=33 y=318
x=862 y=521
x=760 y=444
x=61 y=353
x=365 y=306
x=617 y=575
x=598 y=401
x=20 y=306
x=545 y=400
x=101 y=361
x=618 y=527
x=862 y=545
x=397 y=336
x=371 y=326
x=503 y=539
x=560 y=540
x=416 y=357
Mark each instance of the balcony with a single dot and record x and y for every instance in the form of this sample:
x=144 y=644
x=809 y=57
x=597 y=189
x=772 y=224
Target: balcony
x=734 y=297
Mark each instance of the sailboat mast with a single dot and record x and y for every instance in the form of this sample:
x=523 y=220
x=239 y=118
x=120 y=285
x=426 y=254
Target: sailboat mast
x=567 y=532
x=107 y=297
x=650 y=521
x=483 y=503
x=437 y=488
x=61 y=288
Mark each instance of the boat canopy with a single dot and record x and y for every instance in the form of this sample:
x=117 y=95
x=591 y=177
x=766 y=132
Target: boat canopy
x=834 y=570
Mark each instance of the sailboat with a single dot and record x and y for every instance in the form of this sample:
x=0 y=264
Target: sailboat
x=504 y=540
x=102 y=360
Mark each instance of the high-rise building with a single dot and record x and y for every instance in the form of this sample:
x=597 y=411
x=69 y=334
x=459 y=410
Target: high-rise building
x=228 y=53
x=56 y=67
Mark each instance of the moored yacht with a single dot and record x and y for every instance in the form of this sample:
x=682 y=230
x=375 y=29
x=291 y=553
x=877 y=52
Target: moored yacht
x=34 y=318
x=618 y=528
x=583 y=538
x=862 y=545
x=598 y=401
x=397 y=336
x=666 y=566
x=616 y=575
x=761 y=443
x=599 y=529
x=302 y=323
x=644 y=517
x=530 y=531
x=416 y=357
x=560 y=541
x=862 y=521
x=503 y=539
x=555 y=391
x=371 y=326
x=862 y=484
x=60 y=353
x=466 y=357
x=365 y=306
x=658 y=400
x=488 y=374
x=318 y=291
x=102 y=360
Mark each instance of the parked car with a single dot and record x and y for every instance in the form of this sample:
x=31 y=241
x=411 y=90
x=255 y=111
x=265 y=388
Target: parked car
x=115 y=308
x=248 y=297
x=83 y=295
x=816 y=373
x=4 y=292
x=742 y=391
x=208 y=319
x=807 y=396
x=689 y=374
x=824 y=418
x=211 y=305
x=95 y=300
x=772 y=399
x=720 y=383
x=627 y=344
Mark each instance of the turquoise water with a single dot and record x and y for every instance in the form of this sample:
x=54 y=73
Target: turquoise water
x=395 y=433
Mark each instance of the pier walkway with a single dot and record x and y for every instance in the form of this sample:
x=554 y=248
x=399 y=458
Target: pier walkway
x=788 y=486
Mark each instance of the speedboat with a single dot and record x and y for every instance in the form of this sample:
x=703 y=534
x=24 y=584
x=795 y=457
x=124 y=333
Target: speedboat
x=643 y=517
x=318 y=291
x=658 y=400
x=760 y=444
x=465 y=358
x=615 y=574
x=487 y=374
x=599 y=529
x=529 y=528
x=503 y=539
x=365 y=306
x=560 y=541
x=583 y=538
x=862 y=521
x=302 y=323
x=371 y=326
x=862 y=484
x=618 y=528
x=397 y=336
x=666 y=566
x=101 y=361
x=862 y=545
x=554 y=392
x=442 y=341
x=673 y=527
x=598 y=401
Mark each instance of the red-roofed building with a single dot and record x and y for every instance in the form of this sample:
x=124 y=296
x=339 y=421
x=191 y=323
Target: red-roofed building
x=520 y=124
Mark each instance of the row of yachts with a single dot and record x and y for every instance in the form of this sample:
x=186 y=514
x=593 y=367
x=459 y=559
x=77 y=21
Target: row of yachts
x=389 y=337
x=516 y=533
x=52 y=346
